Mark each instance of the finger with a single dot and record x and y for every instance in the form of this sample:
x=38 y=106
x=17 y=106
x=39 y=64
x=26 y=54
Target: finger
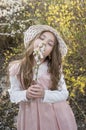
x=36 y=86
x=34 y=93
x=34 y=96
x=35 y=89
x=31 y=95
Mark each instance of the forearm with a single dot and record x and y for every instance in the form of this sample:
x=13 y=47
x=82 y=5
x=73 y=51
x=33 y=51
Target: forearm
x=55 y=96
x=16 y=94
x=61 y=94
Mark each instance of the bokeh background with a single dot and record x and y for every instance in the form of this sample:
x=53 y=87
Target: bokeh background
x=69 y=18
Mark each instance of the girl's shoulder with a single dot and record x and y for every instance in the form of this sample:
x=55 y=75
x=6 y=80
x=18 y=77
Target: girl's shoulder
x=14 y=67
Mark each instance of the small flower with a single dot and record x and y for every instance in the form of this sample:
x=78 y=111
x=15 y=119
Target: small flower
x=38 y=55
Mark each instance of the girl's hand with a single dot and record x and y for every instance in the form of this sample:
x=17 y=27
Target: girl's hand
x=35 y=91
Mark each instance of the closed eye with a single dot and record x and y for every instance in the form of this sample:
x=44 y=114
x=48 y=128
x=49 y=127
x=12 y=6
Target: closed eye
x=42 y=37
x=50 y=44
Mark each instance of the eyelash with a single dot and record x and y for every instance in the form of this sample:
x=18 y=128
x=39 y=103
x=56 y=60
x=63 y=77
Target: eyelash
x=43 y=39
x=50 y=44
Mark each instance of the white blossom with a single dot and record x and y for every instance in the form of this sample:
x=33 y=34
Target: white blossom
x=13 y=32
x=10 y=10
x=38 y=55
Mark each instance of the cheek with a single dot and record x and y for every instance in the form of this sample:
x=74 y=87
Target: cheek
x=48 y=50
x=36 y=43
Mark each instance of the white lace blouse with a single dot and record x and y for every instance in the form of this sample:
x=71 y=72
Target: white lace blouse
x=17 y=95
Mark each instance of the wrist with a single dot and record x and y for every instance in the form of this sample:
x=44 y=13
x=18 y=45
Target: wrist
x=27 y=95
x=43 y=94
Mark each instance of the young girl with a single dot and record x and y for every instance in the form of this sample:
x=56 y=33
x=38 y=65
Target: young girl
x=42 y=104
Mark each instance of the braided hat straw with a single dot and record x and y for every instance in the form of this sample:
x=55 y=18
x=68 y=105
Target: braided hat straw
x=34 y=30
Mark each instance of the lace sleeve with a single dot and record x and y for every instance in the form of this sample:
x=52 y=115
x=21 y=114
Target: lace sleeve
x=61 y=94
x=16 y=94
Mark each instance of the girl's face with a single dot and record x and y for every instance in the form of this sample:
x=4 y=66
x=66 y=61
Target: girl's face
x=48 y=39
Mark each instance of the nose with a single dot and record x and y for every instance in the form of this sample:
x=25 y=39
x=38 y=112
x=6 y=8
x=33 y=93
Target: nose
x=42 y=47
x=43 y=43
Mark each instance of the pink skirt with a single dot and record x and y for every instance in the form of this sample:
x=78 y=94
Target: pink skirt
x=37 y=115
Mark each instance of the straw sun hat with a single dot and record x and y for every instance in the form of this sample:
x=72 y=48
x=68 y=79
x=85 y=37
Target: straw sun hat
x=34 y=30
